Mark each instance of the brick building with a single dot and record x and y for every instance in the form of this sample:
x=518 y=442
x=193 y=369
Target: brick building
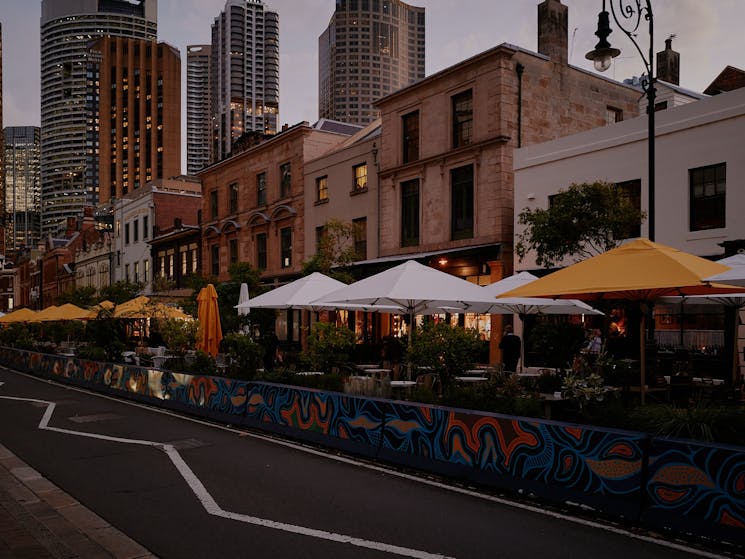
x=446 y=178
x=253 y=202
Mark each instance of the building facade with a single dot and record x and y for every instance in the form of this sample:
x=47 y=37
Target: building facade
x=343 y=185
x=253 y=203
x=137 y=103
x=68 y=135
x=198 y=121
x=699 y=171
x=93 y=263
x=22 y=188
x=244 y=70
x=142 y=215
x=2 y=136
x=370 y=49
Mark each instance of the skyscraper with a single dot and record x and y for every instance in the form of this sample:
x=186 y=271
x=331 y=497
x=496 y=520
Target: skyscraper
x=68 y=135
x=198 y=121
x=22 y=200
x=138 y=110
x=244 y=79
x=2 y=136
x=370 y=48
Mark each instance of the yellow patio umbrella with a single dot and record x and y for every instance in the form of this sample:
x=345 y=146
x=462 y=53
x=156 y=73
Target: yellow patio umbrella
x=209 y=334
x=96 y=309
x=640 y=270
x=18 y=315
x=144 y=307
x=68 y=311
x=45 y=314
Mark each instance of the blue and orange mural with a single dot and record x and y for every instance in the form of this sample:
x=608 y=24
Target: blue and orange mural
x=689 y=486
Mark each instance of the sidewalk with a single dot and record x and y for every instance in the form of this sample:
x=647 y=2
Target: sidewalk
x=39 y=521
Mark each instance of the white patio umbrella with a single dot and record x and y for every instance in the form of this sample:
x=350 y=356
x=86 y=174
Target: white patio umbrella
x=411 y=288
x=735 y=275
x=523 y=306
x=243 y=298
x=731 y=300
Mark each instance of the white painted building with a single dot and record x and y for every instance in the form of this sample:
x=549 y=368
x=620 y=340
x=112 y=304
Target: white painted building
x=699 y=179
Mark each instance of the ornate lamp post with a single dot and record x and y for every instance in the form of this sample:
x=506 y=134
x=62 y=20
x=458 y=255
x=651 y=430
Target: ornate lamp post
x=628 y=15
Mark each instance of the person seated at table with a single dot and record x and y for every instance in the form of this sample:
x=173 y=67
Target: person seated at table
x=510 y=345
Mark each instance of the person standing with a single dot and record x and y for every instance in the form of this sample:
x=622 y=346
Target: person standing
x=510 y=345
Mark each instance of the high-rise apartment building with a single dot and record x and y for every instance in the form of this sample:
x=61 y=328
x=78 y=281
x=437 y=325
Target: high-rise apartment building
x=2 y=157
x=137 y=103
x=244 y=70
x=22 y=200
x=370 y=49
x=68 y=135
x=198 y=121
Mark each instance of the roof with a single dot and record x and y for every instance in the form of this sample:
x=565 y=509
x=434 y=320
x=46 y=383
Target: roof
x=728 y=79
x=417 y=255
x=337 y=127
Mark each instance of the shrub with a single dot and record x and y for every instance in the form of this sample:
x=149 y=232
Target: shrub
x=17 y=335
x=245 y=355
x=179 y=335
x=703 y=423
x=449 y=350
x=327 y=343
x=556 y=344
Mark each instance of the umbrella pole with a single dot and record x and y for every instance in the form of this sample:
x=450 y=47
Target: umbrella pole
x=736 y=353
x=522 y=344
x=411 y=341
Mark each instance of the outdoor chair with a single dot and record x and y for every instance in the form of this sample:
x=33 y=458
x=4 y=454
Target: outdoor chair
x=428 y=381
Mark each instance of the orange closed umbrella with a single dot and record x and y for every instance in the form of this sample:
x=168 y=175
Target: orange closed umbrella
x=209 y=334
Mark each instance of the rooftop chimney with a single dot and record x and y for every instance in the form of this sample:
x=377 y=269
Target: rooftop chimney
x=553 y=26
x=668 y=63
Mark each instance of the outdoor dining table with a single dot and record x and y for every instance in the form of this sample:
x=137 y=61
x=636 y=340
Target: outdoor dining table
x=405 y=386
x=374 y=372
x=472 y=379
x=309 y=373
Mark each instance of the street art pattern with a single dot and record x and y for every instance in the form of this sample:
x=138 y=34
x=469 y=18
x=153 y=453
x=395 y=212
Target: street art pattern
x=694 y=482
x=570 y=456
x=327 y=413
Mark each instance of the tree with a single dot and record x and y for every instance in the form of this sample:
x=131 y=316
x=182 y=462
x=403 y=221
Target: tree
x=582 y=221
x=335 y=251
x=120 y=291
x=79 y=296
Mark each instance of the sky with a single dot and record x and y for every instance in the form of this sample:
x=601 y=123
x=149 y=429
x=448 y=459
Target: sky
x=708 y=37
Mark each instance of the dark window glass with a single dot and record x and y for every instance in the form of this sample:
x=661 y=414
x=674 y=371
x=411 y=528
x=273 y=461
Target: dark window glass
x=261 y=189
x=233 y=198
x=215 y=250
x=285 y=240
x=708 y=190
x=213 y=204
x=126 y=233
x=462 y=119
x=461 y=221
x=136 y=230
x=360 y=238
x=410 y=213
x=145 y=227
x=233 y=247
x=632 y=191
x=261 y=251
x=410 y=126
x=285 y=177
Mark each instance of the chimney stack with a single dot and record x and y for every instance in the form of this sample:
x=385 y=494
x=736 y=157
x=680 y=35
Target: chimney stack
x=553 y=30
x=668 y=63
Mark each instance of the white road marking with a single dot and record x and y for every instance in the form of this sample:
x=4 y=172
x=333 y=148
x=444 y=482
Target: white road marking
x=211 y=506
x=403 y=475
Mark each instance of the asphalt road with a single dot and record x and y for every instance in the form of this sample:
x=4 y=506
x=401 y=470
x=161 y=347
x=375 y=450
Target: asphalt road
x=185 y=489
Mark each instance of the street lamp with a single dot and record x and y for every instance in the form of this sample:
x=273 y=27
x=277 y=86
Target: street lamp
x=628 y=15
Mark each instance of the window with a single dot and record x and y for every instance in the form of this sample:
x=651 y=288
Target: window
x=261 y=189
x=233 y=249
x=321 y=232
x=462 y=119
x=184 y=261
x=137 y=272
x=285 y=180
x=632 y=191
x=461 y=210
x=213 y=204
x=708 y=196
x=359 y=230
x=410 y=213
x=126 y=273
x=126 y=233
x=360 y=177
x=145 y=228
x=285 y=241
x=410 y=126
x=613 y=115
x=136 y=231
x=322 y=189
x=146 y=267
x=215 y=250
x=233 y=198
x=261 y=251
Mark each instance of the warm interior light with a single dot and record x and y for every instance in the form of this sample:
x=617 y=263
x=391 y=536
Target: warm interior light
x=442 y=261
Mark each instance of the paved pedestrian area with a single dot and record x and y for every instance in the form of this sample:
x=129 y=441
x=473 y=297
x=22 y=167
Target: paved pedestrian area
x=39 y=521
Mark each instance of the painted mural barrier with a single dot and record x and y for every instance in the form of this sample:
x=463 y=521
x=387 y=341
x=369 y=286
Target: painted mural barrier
x=684 y=486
